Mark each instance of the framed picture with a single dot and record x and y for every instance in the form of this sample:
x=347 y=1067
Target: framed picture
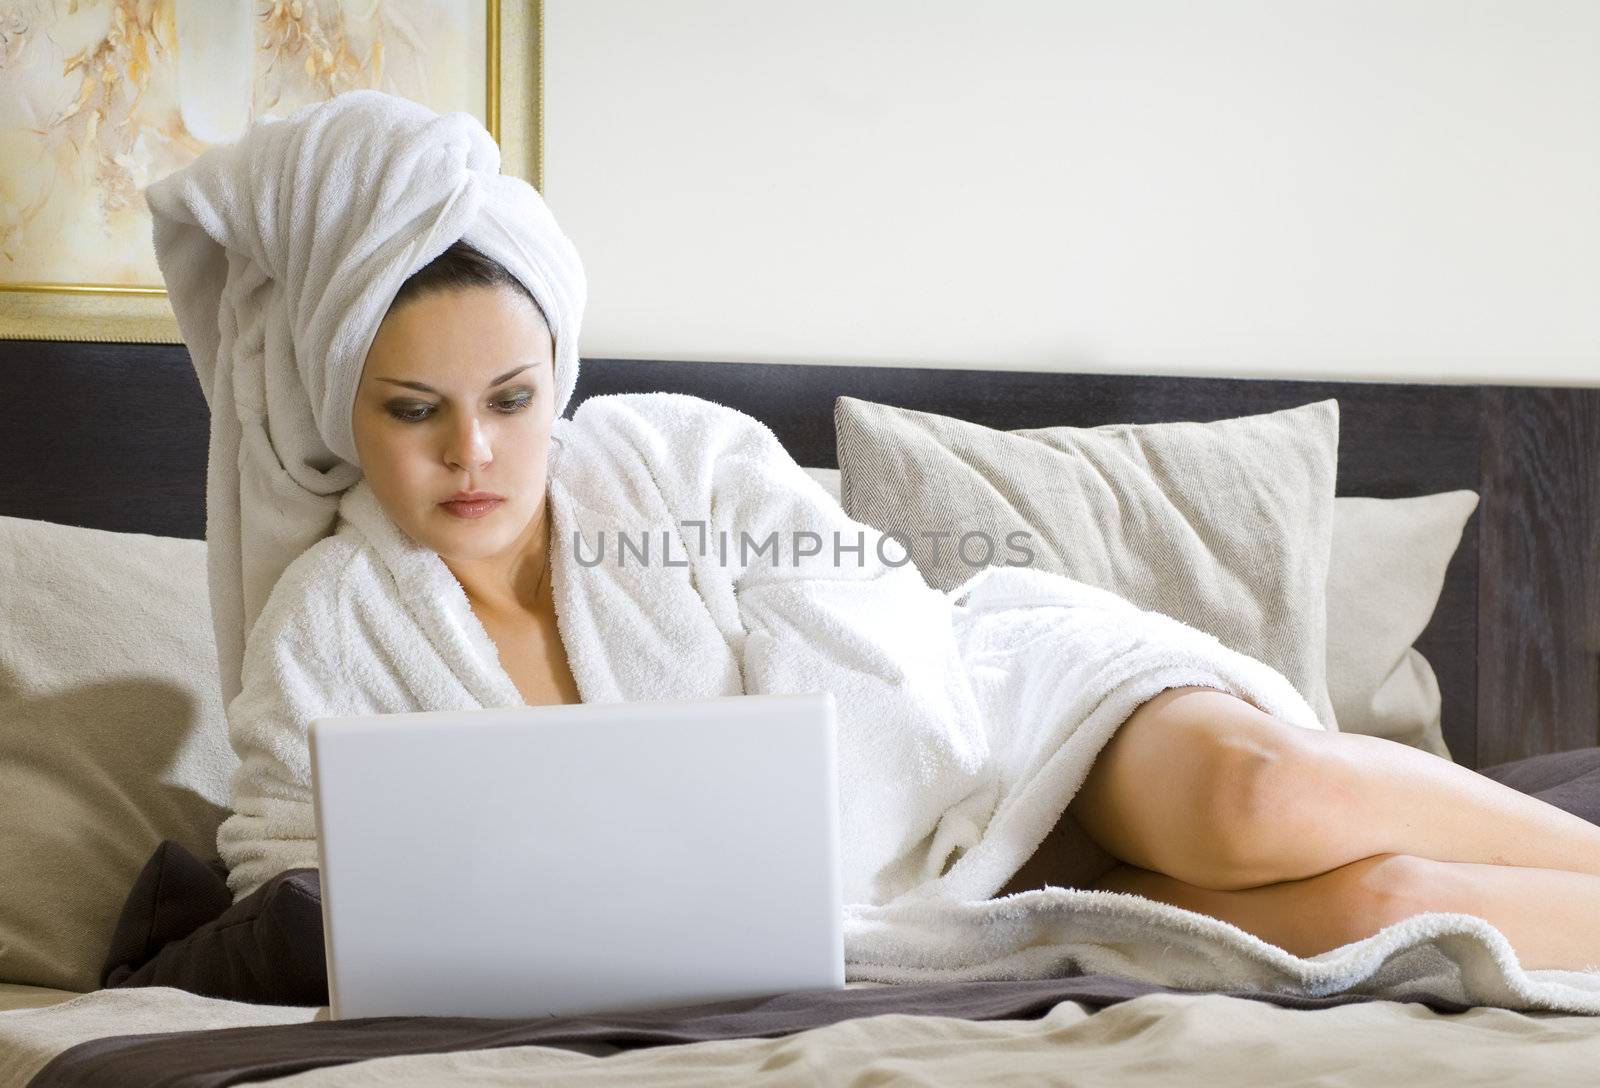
x=98 y=98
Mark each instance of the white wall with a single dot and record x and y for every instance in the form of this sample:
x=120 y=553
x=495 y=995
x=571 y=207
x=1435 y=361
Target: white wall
x=1370 y=189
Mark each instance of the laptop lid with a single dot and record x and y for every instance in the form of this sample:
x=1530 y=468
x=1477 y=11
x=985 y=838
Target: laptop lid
x=584 y=858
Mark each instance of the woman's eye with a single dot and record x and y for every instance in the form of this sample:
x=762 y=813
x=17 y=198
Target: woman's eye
x=412 y=415
x=514 y=403
x=417 y=413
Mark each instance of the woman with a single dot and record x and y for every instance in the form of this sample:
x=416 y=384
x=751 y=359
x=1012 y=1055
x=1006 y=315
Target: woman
x=1307 y=839
x=499 y=549
x=1201 y=798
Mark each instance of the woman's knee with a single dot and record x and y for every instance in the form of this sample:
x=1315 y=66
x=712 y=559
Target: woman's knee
x=1379 y=891
x=1194 y=788
x=1316 y=914
x=1260 y=786
x=1277 y=794
x=1151 y=790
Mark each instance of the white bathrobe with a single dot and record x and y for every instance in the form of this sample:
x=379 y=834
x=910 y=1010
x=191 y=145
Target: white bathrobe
x=965 y=723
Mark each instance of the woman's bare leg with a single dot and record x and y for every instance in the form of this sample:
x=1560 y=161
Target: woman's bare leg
x=1152 y=800
x=1366 y=795
x=1551 y=917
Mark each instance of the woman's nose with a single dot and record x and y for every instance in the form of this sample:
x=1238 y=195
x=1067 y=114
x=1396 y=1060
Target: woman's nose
x=469 y=445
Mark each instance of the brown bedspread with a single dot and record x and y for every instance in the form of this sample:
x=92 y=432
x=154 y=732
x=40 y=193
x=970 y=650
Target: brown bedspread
x=225 y=1056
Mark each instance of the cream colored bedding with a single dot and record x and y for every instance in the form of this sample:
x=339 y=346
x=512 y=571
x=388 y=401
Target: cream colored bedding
x=14 y=995
x=1158 y=1039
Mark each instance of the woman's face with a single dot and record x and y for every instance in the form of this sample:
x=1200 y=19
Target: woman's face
x=457 y=394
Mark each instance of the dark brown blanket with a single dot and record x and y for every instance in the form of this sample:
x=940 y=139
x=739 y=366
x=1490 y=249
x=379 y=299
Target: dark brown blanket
x=223 y=1056
x=178 y=929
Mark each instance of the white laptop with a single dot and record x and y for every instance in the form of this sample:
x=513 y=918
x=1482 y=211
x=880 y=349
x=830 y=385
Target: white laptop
x=585 y=858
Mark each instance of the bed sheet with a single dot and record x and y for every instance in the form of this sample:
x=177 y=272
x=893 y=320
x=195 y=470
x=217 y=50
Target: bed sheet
x=15 y=995
x=1156 y=1039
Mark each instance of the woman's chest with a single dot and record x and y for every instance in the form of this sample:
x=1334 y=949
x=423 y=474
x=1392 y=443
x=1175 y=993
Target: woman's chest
x=532 y=655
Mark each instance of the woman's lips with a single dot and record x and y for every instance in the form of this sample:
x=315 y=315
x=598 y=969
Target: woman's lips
x=476 y=508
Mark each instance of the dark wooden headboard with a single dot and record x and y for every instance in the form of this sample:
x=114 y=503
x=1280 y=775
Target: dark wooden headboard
x=113 y=436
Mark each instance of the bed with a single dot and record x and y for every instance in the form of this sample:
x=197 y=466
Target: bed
x=104 y=453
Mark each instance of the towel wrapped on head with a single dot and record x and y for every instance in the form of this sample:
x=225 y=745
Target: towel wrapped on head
x=281 y=253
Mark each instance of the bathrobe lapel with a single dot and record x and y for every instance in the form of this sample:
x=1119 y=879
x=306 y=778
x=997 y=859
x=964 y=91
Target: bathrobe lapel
x=672 y=649
x=433 y=599
x=633 y=629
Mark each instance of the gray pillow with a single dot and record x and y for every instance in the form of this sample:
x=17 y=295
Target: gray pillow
x=1384 y=579
x=1226 y=526
x=112 y=734
x=1385 y=574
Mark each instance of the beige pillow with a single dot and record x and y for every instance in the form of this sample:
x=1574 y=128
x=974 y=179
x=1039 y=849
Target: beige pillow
x=1384 y=579
x=1226 y=526
x=112 y=735
x=1385 y=573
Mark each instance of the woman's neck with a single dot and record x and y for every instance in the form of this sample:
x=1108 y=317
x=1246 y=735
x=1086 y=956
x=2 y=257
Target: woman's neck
x=516 y=584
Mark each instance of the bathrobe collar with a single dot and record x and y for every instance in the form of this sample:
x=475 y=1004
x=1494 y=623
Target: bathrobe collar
x=668 y=620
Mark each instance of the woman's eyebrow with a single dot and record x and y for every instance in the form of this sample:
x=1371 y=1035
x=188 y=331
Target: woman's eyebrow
x=430 y=389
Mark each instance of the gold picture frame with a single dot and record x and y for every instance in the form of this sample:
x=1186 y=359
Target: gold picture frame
x=514 y=103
